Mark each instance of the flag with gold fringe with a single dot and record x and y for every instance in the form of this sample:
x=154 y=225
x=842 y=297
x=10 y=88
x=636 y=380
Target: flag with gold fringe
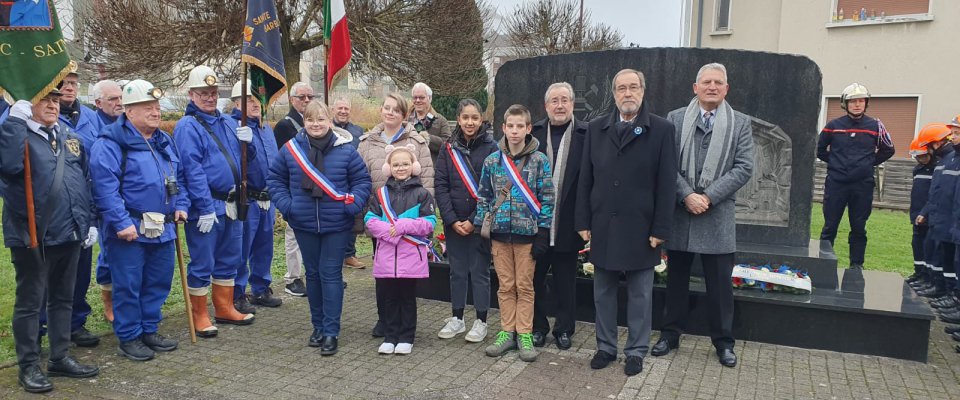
x=33 y=54
x=262 y=50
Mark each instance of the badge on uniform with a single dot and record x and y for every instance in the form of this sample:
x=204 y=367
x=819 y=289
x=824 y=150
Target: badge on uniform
x=638 y=130
x=73 y=145
x=853 y=134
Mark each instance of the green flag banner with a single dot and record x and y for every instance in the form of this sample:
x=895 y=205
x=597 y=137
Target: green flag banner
x=33 y=54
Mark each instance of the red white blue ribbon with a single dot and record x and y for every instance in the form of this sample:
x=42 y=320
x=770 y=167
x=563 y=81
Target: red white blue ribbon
x=383 y=195
x=520 y=184
x=315 y=175
x=465 y=175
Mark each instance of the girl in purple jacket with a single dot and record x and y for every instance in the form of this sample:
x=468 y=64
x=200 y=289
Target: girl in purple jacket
x=401 y=218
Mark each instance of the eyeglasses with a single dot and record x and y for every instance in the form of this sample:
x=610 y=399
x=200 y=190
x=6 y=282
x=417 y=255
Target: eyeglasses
x=560 y=100
x=207 y=95
x=623 y=88
x=419 y=97
x=305 y=97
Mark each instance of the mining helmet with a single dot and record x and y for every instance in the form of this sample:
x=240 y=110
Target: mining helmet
x=955 y=122
x=854 y=91
x=235 y=93
x=201 y=77
x=140 y=91
x=931 y=133
x=72 y=68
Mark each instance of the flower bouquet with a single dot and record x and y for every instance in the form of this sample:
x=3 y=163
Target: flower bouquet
x=584 y=266
x=782 y=279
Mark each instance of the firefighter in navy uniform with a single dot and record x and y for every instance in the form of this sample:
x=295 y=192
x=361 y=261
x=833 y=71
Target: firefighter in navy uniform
x=924 y=150
x=937 y=215
x=851 y=146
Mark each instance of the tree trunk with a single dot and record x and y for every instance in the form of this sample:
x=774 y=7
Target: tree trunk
x=291 y=66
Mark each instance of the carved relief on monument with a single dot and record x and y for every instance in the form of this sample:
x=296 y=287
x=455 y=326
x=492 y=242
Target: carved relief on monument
x=765 y=199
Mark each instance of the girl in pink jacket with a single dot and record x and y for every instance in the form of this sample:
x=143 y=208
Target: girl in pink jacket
x=401 y=218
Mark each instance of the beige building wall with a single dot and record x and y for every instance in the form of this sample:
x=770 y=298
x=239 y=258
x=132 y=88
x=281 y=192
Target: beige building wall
x=891 y=59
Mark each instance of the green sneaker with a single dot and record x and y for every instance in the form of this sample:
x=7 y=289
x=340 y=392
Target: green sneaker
x=504 y=342
x=527 y=352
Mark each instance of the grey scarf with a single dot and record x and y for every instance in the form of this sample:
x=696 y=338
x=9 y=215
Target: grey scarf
x=720 y=145
x=559 y=166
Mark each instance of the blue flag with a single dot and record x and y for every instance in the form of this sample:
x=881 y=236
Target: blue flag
x=261 y=49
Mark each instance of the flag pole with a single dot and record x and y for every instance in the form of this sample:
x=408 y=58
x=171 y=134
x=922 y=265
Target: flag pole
x=326 y=63
x=242 y=190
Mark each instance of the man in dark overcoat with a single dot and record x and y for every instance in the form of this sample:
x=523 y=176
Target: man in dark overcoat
x=625 y=204
x=561 y=139
x=715 y=153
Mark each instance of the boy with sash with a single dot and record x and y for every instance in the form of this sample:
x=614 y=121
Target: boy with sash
x=515 y=210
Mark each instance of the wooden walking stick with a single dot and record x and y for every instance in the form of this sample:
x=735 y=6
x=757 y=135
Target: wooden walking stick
x=183 y=282
x=28 y=191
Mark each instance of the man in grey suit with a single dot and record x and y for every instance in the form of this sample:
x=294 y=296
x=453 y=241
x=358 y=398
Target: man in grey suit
x=715 y=154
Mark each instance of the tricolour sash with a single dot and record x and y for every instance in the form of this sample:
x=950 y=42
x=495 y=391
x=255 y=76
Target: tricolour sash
x=464 y=170
x=315 y=175
x=520 y=184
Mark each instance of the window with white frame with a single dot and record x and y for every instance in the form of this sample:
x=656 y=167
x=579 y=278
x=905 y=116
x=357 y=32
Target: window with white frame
x=722 y=22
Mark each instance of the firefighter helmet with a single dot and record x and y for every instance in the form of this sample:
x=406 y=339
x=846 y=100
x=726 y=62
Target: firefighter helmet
x=854 y=91
x=931 y=133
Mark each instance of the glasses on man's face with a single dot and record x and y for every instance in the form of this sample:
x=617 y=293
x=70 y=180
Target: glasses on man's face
x=624 y=88
x=207 y=95
x=420 y=98
x=305 y=97
x=560 y=100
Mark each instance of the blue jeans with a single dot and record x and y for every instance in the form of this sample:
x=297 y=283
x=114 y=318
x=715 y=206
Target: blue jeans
x=323 y=256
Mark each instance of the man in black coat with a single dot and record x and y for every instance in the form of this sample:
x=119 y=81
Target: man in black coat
x=561 y=139
x=625 y=201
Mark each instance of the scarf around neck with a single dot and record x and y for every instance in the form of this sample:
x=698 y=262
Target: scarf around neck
x=720 y=149
x=318 y=147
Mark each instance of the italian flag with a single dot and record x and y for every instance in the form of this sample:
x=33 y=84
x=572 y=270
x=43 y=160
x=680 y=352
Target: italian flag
x=338 y=39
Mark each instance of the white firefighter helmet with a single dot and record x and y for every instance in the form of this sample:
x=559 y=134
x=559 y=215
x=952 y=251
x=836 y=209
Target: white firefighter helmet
x=235 y=93
x=140 y=91
x=854 y=91
x=201 y=77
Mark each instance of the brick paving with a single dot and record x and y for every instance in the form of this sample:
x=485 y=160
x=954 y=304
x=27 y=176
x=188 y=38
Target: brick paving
x=270 y=359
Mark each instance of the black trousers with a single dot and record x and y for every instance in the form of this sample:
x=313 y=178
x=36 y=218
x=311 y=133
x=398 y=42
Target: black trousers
x=397 y=302
x=717 y=271
x=858 y=198
x=919 y=247
x=562 y=290
x=55 y=276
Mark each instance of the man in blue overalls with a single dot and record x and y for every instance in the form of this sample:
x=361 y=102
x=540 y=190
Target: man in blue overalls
x=138 y=189
x=209 y=145
x=851 y=146
x=257 y=257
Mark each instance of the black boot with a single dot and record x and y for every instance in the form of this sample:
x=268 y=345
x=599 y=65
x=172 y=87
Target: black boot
x=243 y=306
x=329 y=346
x=158 y=342
x=33 y=380
x=83 y=338
x=938 y=289
x=136 y=350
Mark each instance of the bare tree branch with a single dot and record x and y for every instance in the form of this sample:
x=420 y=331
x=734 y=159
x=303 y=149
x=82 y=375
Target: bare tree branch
x=553 y=27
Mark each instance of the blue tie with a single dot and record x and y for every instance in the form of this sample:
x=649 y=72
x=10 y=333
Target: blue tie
x=708 y=119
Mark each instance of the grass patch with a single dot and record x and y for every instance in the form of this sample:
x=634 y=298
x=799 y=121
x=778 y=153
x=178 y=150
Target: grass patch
x=889 y=236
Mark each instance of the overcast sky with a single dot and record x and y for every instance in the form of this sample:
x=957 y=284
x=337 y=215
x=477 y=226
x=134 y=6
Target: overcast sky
x=648 y=23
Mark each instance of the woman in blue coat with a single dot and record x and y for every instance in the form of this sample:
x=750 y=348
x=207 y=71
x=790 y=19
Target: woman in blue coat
x=319 y=183
x=138 y=189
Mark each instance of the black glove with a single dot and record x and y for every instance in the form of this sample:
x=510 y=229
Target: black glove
x=541 y=243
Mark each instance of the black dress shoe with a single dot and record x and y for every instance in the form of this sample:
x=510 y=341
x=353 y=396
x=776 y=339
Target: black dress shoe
x=70 y=368
x=664 y=346
x=634 y=365
x=563 y=340
x=266 y=299
x=378 y=329
x=33 y=380
x=539 y=339
x=727 y=357
x=951 y=329
x=83 y=338
x=948 y=302
x=950 y=310
x=329 y=346
x=951 y=317
x=601 y=359
x=136 y=350
x=158 y=342
x=243 y=305
x=933 y=291
x=316 y=338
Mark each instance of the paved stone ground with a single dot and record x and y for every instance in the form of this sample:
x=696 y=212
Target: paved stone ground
x=270 y=359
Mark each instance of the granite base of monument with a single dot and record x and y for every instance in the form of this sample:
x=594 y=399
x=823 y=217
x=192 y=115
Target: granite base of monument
x=817 y=260
x=869 y=312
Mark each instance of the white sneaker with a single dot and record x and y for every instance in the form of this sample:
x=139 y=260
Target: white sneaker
x=403 y=348
x=478 y=333
x=386 y=348
x=454 y=326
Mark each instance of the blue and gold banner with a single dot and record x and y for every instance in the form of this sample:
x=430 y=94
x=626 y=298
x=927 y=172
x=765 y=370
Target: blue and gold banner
x=262 y=50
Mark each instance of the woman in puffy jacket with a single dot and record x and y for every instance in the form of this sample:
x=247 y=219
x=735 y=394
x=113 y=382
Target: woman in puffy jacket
x=319 y=183
x=401 y=218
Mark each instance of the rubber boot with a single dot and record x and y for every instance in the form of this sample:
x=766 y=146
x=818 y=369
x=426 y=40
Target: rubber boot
x=201 y=318
x=225 y=313
x=106 y=293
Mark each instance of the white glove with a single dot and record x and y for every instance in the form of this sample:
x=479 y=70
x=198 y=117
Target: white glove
x=264 y=204
x=206 y=221
x=151 y=225
x=245 y=134
x=92 y=235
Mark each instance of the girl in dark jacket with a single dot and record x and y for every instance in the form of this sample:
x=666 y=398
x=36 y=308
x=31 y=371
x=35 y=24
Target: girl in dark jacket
x=319 y=183
x=457 y=174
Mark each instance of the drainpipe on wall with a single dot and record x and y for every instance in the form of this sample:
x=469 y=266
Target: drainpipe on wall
x=700 y=23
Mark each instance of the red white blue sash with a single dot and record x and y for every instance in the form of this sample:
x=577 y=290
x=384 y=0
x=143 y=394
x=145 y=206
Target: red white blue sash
x=383 y=195
x=528 y=196
x=315 y=175
x=464 y=170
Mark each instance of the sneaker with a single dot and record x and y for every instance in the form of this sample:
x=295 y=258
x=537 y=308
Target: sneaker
x=505 y=342
x=353 y=262
x=243 y=306
x=266 y=299
x=386 y=348
x=525 y=343
x=136 y=350
x=158 y=342
x=83 y=338
x=403 y=348
x=453 y=327
x=296 y=288
x=478 y=333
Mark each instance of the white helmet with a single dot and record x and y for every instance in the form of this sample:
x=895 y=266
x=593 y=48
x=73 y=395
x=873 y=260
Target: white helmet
x=854 y=91
x=235 y=93
x=140 y=91
x=201 y=77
